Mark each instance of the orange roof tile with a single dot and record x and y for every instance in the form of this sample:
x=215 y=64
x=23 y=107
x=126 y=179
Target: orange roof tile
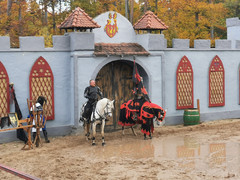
x=103 y=49
x=78 y=19
x=149 y=21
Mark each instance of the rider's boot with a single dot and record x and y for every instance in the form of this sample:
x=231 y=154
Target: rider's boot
x=93 y=110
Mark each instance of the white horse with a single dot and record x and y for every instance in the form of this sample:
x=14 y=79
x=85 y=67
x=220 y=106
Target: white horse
x=102 y=111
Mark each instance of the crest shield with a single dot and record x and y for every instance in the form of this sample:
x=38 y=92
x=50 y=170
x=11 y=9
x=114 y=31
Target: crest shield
x=111 y=28
x=13 y=119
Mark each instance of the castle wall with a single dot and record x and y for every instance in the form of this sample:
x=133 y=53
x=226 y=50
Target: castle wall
x=73 y=63
x=201 y=60
x=18 y=63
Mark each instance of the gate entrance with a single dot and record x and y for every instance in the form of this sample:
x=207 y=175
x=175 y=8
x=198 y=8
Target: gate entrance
x=115 y=81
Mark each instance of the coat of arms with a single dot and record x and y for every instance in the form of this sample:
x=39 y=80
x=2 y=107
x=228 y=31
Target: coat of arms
x=13 y=119
x=111 y=28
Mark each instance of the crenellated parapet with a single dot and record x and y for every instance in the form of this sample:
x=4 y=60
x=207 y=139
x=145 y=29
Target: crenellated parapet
x=152 y=42
x=31 y=43
x=202 y=44
x=76 y=41
x=61 y=42
x=85 y=41
x=223 y=44
x=4 y=43
x=180 y=43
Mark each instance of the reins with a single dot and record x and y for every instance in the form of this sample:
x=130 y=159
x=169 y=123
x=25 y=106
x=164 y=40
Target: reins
x=105 y=113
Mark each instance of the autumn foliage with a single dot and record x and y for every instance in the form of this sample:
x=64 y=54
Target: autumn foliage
x=187 y=19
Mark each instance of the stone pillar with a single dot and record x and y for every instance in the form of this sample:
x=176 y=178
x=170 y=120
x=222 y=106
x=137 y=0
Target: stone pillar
x=81 y=41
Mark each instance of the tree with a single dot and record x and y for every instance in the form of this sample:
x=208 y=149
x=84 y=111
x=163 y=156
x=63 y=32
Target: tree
x=234 y=7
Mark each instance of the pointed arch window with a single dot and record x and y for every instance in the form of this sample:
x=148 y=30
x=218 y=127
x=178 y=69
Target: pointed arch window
x=216 y=83
x=41 y=83
x=4 y=92
x=184 y=84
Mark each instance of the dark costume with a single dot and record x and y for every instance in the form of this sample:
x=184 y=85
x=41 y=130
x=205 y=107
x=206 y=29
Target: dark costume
x=20 y=132
x=140 y=110
x=144 y=117
x=91 y=93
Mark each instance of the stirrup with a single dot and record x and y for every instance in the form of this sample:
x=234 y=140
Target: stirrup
x=81 y=119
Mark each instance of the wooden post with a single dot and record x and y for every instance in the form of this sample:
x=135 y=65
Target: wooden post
x=198 y=106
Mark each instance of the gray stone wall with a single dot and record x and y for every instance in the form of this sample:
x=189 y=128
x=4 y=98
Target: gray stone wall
x=73 y=64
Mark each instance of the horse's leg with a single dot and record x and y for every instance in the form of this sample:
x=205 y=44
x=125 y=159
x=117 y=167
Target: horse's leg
x=86 y=129
x=150 y=127
x=133 y=131
x=150 y=134
x=94 y=133
x=102 y=132
x=123 y=131
x=145 y=137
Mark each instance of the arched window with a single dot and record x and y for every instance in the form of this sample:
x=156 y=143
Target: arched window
x=4 y=92
x=184 y=84
x=216 y=83
x=41 y=84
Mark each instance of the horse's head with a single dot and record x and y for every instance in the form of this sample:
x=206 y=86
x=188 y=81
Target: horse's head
x=109 y=108
x=160 y=114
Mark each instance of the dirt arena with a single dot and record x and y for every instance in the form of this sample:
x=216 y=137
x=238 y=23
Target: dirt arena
x=206 y=151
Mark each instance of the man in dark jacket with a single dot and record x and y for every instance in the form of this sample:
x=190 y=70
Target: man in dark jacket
x=91 y=93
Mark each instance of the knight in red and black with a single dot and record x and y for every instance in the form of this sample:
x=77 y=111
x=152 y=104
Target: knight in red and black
x=140 y=110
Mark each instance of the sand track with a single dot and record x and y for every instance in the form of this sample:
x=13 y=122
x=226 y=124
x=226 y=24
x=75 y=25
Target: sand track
x=206 y=151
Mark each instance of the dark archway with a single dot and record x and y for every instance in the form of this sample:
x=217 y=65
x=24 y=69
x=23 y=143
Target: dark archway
x=115 y=81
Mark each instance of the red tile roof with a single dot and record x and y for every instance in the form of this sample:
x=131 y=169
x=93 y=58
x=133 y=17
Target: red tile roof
x=149 y=21
x=104 y=49
x=78 y=19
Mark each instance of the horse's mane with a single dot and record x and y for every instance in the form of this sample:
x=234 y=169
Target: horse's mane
x=104 y=100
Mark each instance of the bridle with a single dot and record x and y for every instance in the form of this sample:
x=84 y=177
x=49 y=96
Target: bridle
x=107 y=111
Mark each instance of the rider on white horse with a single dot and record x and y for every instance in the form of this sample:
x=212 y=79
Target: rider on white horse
x=91 y=93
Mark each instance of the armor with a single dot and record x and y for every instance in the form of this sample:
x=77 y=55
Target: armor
x=91 y=93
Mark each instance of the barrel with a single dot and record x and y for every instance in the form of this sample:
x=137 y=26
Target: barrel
x=191 y=117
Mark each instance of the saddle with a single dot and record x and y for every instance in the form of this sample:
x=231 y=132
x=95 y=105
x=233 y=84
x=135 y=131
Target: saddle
x=87 y=111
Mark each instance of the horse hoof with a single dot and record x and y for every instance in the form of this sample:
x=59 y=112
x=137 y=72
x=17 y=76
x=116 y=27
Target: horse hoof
x=93 y=144
x=145 y=138
x=103 y=144
x=150 y=137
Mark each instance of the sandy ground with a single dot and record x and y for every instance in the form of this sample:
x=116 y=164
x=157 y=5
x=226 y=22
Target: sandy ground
x=206 y=151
